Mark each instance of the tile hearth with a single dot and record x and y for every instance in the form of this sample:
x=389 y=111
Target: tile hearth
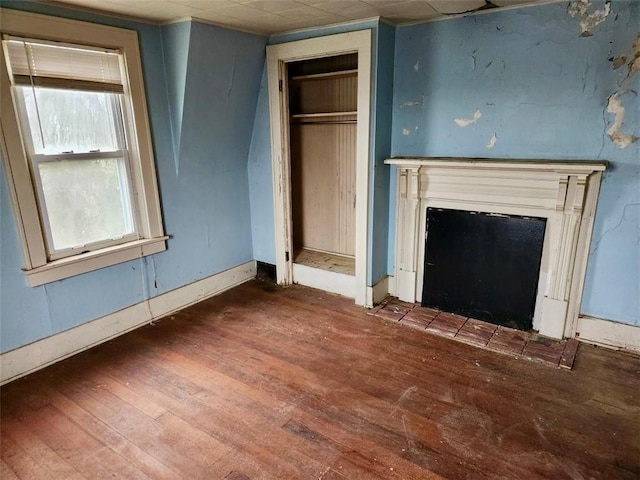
x=528 y=345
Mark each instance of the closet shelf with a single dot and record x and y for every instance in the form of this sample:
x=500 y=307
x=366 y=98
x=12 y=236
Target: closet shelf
x=319 y=76
x=323 y=114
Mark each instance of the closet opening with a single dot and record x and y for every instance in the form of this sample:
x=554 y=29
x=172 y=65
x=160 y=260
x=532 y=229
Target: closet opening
x=320 y=117
x=323 y=117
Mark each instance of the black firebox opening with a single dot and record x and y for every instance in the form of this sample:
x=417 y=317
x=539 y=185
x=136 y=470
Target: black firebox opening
x=483 y=265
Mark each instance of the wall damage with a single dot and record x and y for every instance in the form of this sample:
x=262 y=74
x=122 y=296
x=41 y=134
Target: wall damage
x=615 y=103
x=588 y=21
x=465 y=122
x=621 y=139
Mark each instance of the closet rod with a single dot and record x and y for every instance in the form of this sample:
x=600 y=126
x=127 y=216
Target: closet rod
x=328 y=122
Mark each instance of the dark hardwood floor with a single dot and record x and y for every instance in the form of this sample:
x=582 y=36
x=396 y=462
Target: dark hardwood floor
x=292 y=383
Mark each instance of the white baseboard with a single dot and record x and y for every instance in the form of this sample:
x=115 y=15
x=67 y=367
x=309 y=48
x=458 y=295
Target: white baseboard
x=325 y=280
x=607 y=333
x=34 y=356
x=378 y=292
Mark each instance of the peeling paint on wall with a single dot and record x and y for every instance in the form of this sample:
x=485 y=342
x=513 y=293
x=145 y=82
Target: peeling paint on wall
x=580 y=9
x=492 y=141
x=615 y=133
x=634 y=64
x=465 y=122
x=615 y=104
x=416 y=66
x=406 y=131
x=414 y=103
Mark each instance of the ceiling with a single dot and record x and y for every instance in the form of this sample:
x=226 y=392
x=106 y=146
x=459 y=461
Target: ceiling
x=276 y=16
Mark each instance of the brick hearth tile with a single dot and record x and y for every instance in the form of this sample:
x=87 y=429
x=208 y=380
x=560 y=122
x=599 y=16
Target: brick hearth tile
x=479 y=325
x=512 y=333
x=380 y=306
x=399 y=303
x=392 y=311
x=546 y=344
x=474 y=338
x=446 y=324
x=569 y=353
x=476 y=332
x=547 y=351
x=452 y=317
x=505 y=345
x=508 y=340
x=419 y=317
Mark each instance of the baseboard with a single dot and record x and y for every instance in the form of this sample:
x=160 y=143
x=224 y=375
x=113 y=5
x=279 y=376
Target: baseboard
x=325 y=280
x=607 y=333
x=34 y=356
x=378 y=292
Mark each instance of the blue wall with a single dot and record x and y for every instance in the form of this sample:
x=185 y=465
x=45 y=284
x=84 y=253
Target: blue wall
x=261 y=181
x=542 y=90
x=208 y=214
x=203 y=184
x=381 y=150
x=175 y=49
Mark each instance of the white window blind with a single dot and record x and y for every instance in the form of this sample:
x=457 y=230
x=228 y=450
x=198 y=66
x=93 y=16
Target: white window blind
x=59 y=65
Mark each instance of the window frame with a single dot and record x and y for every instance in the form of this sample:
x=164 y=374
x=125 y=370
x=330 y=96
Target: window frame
x=40 y=268
x=35 y=159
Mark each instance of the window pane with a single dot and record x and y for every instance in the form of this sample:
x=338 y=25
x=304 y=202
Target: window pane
x=70 y=120
x=86 y=201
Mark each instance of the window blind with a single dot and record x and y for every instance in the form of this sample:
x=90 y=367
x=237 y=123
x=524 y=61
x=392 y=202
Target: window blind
x=58 y=65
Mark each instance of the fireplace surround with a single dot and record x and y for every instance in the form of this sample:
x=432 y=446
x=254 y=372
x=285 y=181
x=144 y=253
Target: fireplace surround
x=563 y=192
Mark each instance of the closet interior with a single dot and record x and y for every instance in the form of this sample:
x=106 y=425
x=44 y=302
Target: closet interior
x=323 y=125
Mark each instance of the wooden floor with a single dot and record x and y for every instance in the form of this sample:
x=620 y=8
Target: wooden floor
x=325 y=261
x=272 y=383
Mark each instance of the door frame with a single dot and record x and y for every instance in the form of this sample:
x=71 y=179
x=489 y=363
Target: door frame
x=277 y=57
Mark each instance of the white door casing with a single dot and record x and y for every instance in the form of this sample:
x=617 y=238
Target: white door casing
x=277 y=57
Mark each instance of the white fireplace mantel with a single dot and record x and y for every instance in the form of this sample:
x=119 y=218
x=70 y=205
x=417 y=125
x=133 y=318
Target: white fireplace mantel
x=563 y=192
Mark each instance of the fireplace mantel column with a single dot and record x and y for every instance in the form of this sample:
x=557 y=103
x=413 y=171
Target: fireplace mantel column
x=407 y=239
x=564 y=227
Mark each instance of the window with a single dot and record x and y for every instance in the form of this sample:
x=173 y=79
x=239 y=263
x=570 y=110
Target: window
x=77 y=145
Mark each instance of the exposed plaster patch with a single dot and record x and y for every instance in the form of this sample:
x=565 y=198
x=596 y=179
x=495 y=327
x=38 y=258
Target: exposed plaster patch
x=414 y=103
x=416 y=66
x=634 y=64
x=619 y=61
x=492 y=141
x=465 y=122
x=580 y=9
x=614 y=103
x=406 y=131
x=621 y=139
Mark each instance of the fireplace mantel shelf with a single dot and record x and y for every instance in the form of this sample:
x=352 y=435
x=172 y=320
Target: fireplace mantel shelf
x=564 y=192
x=564 y=166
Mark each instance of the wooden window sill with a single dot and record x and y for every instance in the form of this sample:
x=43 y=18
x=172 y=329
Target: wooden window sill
x=87 y=262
